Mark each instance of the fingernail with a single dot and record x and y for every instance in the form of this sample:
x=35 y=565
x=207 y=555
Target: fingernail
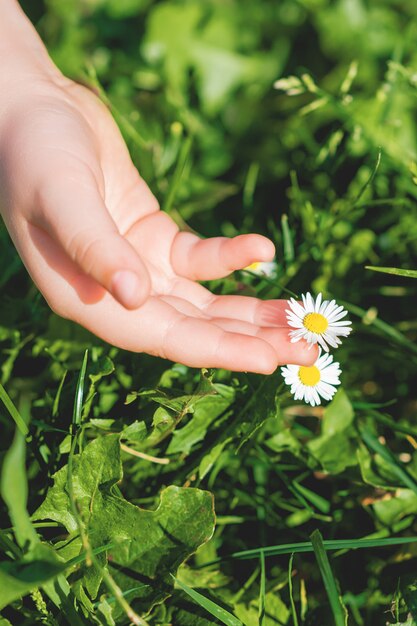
x=126 y=288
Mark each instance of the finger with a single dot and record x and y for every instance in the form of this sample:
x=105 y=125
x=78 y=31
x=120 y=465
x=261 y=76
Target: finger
x=246 y=308
x=206 y=259
x=159 y=329
x=300 y=353
x=260 y=313
x=156 y=327
x=73 y=213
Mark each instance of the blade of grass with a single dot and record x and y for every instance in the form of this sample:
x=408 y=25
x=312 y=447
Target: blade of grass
x=79 y=395
x=371 y=177
x=262 y=589
x=178 y=172
x=293 y=609
x=250 y=184
x=375 y=445
x=305 y=546
x=211 y=607
x=121 y=119
x=14 y=486
x=393 y=270
x=385 y=328
x=58 y=394
x=339 y=611
x=14 y=413
x=287 y=240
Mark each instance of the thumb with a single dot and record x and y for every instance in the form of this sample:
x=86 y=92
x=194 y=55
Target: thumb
x=78 y=220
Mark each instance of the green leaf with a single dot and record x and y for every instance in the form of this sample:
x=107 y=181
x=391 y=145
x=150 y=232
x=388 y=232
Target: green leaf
x=205 y=411
x=338 y=415
x=149 y=545
x=305 y=546
x=334 y=449
x=396 y=506
x=18 y=578
x=14 y=490
x=209 y=460
x=79 y=393
x=396 y=467
x=14 y=413
x=276 y=613
x=187 y=36
x=339 y=610
x=263 y=404
x=393 y=270
x=335 y=453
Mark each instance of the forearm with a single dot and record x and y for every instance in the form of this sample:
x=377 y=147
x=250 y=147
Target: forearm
x=22 y=52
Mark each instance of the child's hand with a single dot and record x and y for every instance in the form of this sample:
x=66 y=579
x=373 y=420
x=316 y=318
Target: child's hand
x=92 y=237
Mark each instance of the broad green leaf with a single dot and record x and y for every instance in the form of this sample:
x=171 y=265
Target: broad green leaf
x=276 y=611
x=205 y=411
x=397 y=468
x=335 y=453
x=334 y=448
x=209 y=460
x=368 y=469
x=338 y=415
x=263 y=404
x=395 y=506
x=284 y=441
x=150 y=544
x=135 y=432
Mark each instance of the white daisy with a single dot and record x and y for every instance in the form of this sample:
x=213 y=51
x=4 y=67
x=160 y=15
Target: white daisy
x=263 y=268
x=309 y=383
x=317 y=321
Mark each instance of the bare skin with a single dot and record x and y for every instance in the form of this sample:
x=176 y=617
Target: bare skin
x=92 y=236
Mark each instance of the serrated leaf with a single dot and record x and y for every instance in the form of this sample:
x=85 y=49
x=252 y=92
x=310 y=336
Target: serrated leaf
x=149 y=545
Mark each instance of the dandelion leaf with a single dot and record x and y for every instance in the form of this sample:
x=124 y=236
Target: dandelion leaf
x=146 y=546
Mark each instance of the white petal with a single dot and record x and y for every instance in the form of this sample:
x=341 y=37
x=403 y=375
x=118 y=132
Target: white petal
x=297 y=308
x=310 y=302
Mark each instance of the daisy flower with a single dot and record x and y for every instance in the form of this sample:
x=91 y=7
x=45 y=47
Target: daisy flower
x=317 y=321
x=309 y=383
x=263 y=268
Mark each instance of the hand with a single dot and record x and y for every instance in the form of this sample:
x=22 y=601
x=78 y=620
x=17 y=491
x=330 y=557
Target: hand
x=92 y=237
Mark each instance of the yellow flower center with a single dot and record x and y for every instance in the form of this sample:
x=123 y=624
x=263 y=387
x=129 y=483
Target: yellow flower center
x=253 y=266
x=316 y=323
x=309 y=376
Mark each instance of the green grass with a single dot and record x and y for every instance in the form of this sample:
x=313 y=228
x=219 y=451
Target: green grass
x=325 y=164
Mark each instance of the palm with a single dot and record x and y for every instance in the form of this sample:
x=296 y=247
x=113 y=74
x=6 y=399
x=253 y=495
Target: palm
x=100 y=193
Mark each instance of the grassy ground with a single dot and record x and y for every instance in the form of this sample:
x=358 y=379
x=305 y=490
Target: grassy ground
x=315 y=508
